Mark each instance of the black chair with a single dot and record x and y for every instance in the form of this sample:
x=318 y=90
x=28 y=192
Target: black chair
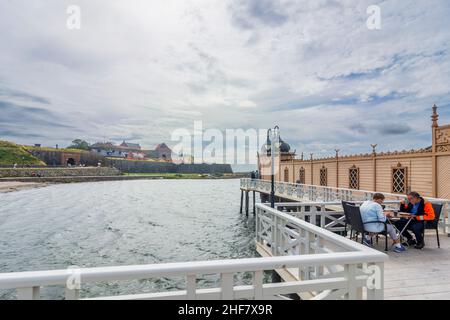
x=345 y=205
x=357 y=224
x=434 y=224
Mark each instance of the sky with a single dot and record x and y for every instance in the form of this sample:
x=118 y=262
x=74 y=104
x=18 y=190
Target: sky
x=138 y=70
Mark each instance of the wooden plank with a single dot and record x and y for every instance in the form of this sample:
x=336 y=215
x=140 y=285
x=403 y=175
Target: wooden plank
x=405 y=292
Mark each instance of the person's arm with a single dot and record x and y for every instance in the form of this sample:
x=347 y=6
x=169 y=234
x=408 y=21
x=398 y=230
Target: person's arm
x=403 y=207
x=428 y=211
x=380 y=214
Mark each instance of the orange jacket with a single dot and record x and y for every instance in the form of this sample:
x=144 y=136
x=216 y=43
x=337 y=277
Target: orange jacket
x=425 y=212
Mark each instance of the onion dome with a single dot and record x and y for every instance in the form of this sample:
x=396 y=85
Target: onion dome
x=284 y=146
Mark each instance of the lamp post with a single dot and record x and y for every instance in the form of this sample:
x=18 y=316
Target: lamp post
x=273 y=139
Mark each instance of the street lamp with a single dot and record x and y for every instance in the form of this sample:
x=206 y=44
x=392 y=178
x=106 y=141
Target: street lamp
x=273 y=140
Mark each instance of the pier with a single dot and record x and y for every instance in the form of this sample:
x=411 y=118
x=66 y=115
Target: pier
x=302 y=239
x=329 y=266
x=415 y=274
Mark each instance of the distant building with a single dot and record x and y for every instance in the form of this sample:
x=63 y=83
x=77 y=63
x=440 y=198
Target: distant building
x=132 y=151
x=163 y=152
x=131 y=146
x=426 y=170
x=109 y=149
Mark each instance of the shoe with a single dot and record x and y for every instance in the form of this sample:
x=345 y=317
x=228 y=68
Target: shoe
x=408 y=243
x=419 y=246
x=399 y=249
x=368 y=243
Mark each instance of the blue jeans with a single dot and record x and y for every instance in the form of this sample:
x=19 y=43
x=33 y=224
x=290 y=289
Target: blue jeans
x=415 y=226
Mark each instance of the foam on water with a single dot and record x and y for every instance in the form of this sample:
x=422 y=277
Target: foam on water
x=123 y=223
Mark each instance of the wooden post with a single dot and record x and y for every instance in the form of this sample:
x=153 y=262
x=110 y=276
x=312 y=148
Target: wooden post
x=242 y=200
x=246 y=203
x=254 y=202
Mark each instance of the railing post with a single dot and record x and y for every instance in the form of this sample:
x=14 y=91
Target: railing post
x=377 y=293
x=72 y=294
x=350 y=274
x=319 y=249
x=191 y=286
x=446 y=219
x=274 y=243
x=32 y=293
x=310 y=249
x=258 y=278
x=227 y=286
x=258 y=226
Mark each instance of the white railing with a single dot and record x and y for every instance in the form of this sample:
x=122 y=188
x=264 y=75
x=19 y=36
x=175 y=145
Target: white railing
x=28 y=284
x=311 y=193
x=331 y=267
x=327 y=215
x=280 y=234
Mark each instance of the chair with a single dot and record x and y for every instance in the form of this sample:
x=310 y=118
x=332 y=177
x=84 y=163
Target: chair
x=345 y=205
x=434 y=224
x=357 y=224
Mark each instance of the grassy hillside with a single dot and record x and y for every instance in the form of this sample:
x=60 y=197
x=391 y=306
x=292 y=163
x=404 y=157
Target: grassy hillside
x=33 y=148
x=11 y=153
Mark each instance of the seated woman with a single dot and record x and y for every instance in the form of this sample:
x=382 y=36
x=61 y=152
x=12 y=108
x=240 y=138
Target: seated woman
x=420 y=211
x=374 y=218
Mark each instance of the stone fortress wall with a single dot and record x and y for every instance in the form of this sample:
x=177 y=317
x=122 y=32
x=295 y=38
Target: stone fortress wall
x=58 y=172
x=167 y=167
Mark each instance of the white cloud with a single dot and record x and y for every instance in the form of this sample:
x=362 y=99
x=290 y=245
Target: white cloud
x=140 y=69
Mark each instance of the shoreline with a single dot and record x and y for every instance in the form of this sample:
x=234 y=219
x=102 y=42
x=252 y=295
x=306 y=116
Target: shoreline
x=13 y=186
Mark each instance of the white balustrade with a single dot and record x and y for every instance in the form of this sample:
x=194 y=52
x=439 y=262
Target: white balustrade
x=320 y=194
x=280 y=234
x=329 y=267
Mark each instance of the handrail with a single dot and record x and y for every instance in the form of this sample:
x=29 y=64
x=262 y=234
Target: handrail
x=135 y=272
x=350 y=256
x=431 y=199
x=323 y=233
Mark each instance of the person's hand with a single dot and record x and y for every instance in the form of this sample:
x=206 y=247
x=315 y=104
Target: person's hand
x=388 y=213
x=405 y=215
x=403 y=202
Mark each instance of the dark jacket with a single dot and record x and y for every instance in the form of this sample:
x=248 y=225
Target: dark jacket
x=424 y=212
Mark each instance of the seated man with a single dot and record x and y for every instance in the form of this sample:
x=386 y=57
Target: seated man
x=420 y=211
x=373 y=218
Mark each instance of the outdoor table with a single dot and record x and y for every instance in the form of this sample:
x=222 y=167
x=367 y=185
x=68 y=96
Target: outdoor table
x=398 y=216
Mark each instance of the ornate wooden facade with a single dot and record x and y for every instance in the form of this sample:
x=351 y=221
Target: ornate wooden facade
x=426 y=170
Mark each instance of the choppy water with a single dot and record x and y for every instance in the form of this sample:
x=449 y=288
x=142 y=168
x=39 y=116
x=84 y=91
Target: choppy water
x=123 y=223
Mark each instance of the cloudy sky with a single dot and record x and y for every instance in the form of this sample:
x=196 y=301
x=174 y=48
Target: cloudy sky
x=137 y=70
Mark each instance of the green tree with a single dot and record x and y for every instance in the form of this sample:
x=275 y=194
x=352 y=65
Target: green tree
x=79 y=144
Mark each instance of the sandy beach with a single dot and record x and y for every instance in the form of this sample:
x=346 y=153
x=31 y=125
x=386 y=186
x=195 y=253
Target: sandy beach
x=7 y=186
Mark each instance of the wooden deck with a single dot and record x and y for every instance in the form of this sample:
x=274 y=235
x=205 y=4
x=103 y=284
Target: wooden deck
x=419 y=274
x=411 y=275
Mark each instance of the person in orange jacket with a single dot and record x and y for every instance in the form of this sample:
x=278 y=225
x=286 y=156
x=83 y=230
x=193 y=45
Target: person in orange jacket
x=420 y=211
